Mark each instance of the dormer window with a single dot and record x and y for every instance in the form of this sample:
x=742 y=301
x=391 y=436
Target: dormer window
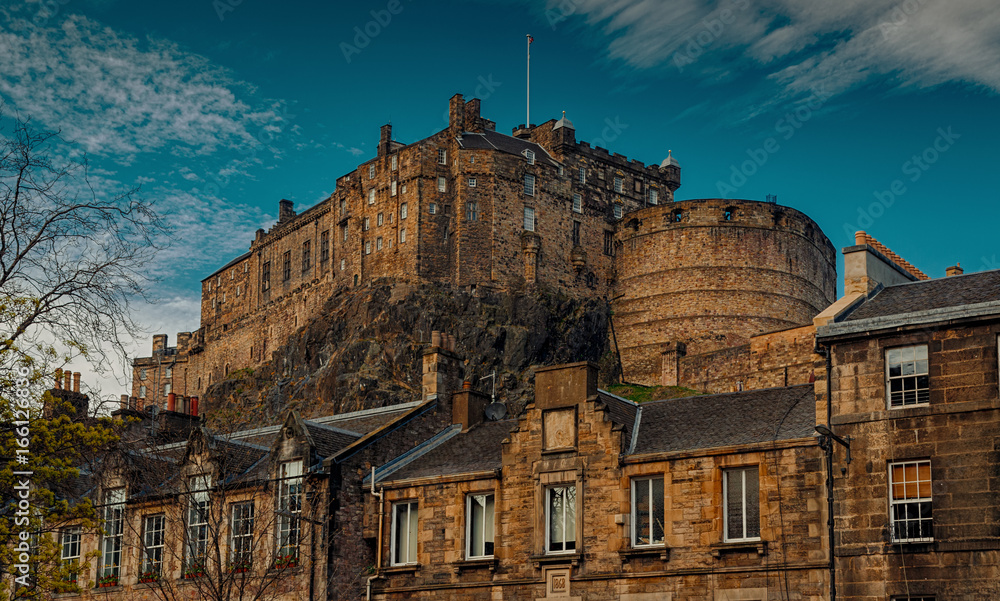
x=530 y=155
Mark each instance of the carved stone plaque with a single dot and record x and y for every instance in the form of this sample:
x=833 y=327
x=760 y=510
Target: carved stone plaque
x=559 y=429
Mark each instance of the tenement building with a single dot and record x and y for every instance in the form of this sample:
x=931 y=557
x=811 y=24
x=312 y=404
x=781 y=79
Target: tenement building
x=478 y=209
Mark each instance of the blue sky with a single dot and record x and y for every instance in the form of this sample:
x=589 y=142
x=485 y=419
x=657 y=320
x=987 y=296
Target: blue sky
x=865 y=114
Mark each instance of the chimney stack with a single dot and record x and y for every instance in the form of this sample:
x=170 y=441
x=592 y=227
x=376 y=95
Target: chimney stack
x=285 y=210
x=76 y=382
x=385 y=140
x=956 y=269
x=68 y=380
x=124 y=398
x=58 y=385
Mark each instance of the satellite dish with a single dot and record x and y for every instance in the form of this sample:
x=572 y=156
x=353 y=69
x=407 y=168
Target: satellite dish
x=495 y=411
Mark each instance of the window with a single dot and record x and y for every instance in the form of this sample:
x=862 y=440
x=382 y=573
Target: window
x=69 y=554
x=529 y=184
x=472 y=182
x=343 y=264
x=392 y=189
x=479 y=522
x=404 y=188
x=530 y=155
x=306 y=255
x=609 y=243
x=241 y=536
x=727 y=215
x=402 y=211
x=442 y=184
x=371 y=196
x=638 y=186
x=380 y=220
x=677 y=216
x=196 y=549
x=392 y=162
x=402 y=236
x=239 y=290
x=265 y=276
x=616 y=210
x=742 y=503
x=471 y=211
x=286 y=266
x=289 y=508
x=619 y=185
x=576 y=233
x=583 y=175
x=560 y=519
x=153 y=528
x=343 y=232
x=529 y=219
x=167 y=388
x=906 y=376
x=378 y=243
x=343 y=206
x=114 y=522
x=910 y=501
x=142 y=374
x=442 y=156
x=364 y=224
x=168 y=371
x=371 y=171
x=433 y=208
x=404 y=533
x=368 y=247
x=600 y=174
x=142 y=391
x=647 y=511
x=577 y=203
x=324 y=246
x=654 y=196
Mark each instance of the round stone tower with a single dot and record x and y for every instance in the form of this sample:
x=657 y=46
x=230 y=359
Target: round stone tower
x=696 y=276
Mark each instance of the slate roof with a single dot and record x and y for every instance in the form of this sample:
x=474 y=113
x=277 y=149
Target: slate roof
x=954 y=291
x=227 y=266
x=622 y=412
x=328 y=439
x=719 y=420
x=494 y=140
x=476 y=450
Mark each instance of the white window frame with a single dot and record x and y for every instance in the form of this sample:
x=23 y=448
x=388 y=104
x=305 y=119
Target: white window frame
x=402 y=236
x=529 y=184
x=619 y=185
x=472 y=182
x=288 y=530
x=196 y=539
x=142 y=374
x=549 y=492
x=365 y=224
x=378 y=243
x=908 y=501
x=379 y=220
x=917 y=354
x=485 y=520
x=392 y=188
x=69 y=550
x=168 y=371
x=433 y=208
x=472 y=211
x=748 y=504
x=402 y=211
x=241 y=528
x=142 y=391
x=616 y=209
x=371 y=171
x=529 y=219
x=368 y=247
x=167 y=388
x=654 y=196
x=392 y=162
x=343 y=264
x=154 y=527
x=583 y=175
x=442 y=184
x=442 y=156
x=403 y=545
x=648 y=482
x=577 y=203
x=371 y=196
x=530 y=156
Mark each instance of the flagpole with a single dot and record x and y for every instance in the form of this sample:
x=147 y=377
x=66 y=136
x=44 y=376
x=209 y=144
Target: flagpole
x=527 y=122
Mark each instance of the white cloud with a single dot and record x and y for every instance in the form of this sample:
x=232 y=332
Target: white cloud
x=118 y=96
x=802 y=45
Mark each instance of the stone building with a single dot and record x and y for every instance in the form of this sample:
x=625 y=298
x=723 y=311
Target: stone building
x=914 y=385
x=478 y=209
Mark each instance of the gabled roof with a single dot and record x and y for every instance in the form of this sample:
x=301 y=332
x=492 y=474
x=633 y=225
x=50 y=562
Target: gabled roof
x=476 y=450
x=925 y=295
x=622 y=412
x=720 y=420
x=488 y=140
x=329 y=440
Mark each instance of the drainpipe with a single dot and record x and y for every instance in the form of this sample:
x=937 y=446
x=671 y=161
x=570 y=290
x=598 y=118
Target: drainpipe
x=827 y=352
x=378 y=545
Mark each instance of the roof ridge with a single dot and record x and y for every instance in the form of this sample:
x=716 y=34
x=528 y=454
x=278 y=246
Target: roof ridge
x=718 y=394
x=892 y=256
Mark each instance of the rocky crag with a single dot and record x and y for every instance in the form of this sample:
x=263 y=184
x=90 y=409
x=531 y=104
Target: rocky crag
x=364 y=350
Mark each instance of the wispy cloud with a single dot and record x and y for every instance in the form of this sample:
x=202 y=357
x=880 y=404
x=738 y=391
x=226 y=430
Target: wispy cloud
x=800 y=46
x=119 y=96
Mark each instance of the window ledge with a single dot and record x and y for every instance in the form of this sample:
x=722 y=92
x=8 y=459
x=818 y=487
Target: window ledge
x=916 y=546
x=662 y=552
x=477 y=563
x=760 y=546
x=107 y=589
x=406 y=568
x=570 y=558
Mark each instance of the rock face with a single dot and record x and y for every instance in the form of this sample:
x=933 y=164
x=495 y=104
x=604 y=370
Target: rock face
x=364 y=350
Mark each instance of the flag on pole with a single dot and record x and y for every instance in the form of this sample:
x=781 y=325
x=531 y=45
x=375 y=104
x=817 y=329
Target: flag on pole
x=530 y=39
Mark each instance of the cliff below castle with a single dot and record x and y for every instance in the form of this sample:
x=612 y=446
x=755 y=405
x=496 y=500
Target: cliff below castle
x=364 y=349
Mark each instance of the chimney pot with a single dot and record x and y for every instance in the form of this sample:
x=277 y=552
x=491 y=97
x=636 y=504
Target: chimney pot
x=124 y=398
x=435 y=338
x=76 y=382
x=171 y=402
x=860 y=237
x=194 y=406
x=466 y=385
x=68 y=380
